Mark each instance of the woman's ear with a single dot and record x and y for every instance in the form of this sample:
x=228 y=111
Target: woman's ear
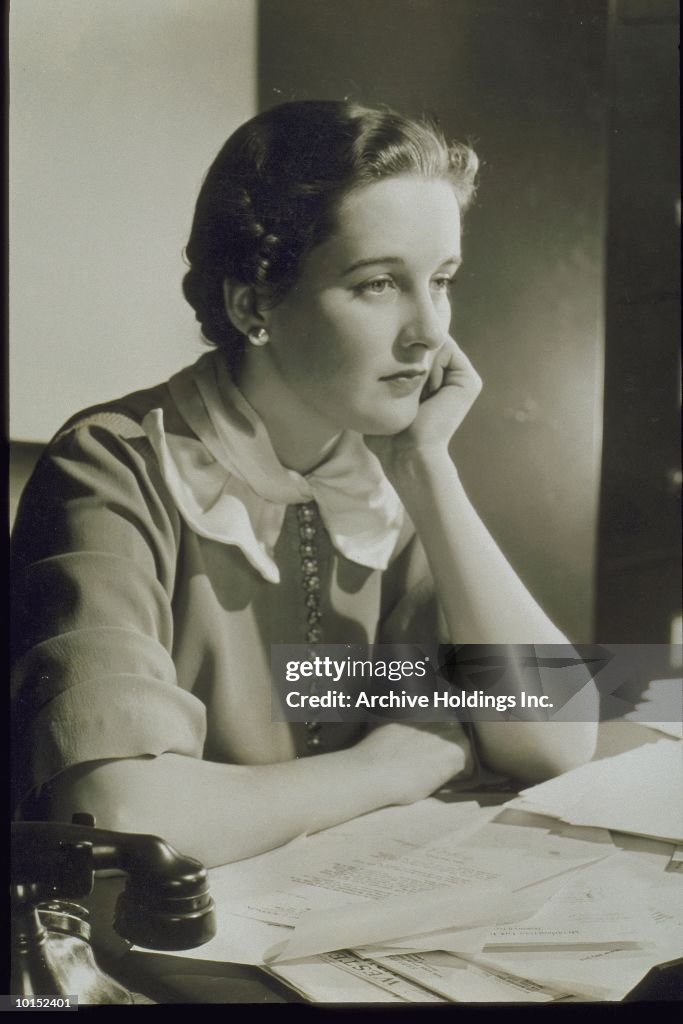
x=243 y=306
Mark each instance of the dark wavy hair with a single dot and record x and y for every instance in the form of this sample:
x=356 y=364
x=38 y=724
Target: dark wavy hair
x=272 y=192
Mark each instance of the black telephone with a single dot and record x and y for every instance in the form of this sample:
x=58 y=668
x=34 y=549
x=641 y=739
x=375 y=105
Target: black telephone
x=165 y=905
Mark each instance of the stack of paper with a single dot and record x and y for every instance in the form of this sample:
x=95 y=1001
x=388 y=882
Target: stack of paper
x=640 y=792
x=344 y=977
x=637 y=897
x=362 y=848
x=451 y=902
x=655 y=707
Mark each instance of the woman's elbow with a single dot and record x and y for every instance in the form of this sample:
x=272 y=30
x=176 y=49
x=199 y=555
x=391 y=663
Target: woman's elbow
x=568 y=746
x=564 y=745
x=105 y=789
x=533 y=752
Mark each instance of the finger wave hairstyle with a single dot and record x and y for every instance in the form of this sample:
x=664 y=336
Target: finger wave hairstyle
x=271 y=194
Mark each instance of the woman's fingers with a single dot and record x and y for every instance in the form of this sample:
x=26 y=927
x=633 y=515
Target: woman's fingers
x=451 y=367
x=416 y=758
x=449 y=392
x=458 y=369
x=436 y=375
x=452 y=387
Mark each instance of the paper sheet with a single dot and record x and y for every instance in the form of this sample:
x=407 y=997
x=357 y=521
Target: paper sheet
x=245 y=941
x=323 y=981
x=357 y=924
x=642 y=902
x=465 y=875
x=362 y=868
x=591 y=974
x=515 y=907
x=640 y=791
x=512 y=833
x=342 y=977
x=452 y=880
x=460 y=981
x=489 y=854
x=656 y=706
x=588 y=911
x=609 y=974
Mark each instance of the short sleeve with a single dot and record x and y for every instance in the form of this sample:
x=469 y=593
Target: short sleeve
x=94 y=556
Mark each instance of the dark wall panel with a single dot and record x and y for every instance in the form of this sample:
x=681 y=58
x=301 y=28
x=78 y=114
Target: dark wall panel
x=524 y=81
x=639 y=553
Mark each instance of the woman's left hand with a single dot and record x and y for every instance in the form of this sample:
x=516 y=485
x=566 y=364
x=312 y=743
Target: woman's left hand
x=449 y=393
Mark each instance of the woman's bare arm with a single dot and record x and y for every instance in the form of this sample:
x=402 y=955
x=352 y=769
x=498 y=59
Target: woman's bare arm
x=483 y=599
x=223 y=812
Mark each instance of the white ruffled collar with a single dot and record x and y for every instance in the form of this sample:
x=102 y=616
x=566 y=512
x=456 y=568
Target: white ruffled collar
x=229 y=485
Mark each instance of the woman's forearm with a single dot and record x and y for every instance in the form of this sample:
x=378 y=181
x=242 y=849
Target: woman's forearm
x=217 y=812
x=485 y=602
x=483 y=599
x=224 y=812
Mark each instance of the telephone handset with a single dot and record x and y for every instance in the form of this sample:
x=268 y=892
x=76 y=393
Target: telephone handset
x=165 y=905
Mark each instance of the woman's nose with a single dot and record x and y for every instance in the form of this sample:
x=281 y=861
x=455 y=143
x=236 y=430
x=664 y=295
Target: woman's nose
x=425 y=324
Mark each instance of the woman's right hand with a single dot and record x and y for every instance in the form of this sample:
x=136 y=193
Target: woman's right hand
x=414 y=760
x=449 y=393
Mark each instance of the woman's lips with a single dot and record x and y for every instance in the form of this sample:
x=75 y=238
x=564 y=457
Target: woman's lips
x=406 y=381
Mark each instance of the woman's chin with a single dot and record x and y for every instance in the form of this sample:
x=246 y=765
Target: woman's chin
x=384 y=419
x=387 y=426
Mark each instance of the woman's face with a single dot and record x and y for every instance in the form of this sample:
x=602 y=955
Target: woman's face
x=355 y=339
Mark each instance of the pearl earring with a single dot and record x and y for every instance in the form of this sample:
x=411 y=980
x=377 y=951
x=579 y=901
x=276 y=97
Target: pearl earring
x=258 y=336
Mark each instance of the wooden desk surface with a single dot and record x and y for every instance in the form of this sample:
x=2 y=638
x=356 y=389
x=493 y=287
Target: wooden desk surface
x=166 y=978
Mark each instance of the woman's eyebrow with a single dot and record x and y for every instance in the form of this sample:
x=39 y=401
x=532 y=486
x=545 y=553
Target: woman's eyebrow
x=457 y=260
x=370 y=262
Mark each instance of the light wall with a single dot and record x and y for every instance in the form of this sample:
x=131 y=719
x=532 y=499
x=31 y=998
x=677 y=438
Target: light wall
x=117 y=107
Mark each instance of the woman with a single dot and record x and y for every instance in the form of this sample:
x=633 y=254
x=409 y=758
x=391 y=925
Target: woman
x=294 y=485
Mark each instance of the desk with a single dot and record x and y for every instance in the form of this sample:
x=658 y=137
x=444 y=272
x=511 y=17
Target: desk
x=166 y=978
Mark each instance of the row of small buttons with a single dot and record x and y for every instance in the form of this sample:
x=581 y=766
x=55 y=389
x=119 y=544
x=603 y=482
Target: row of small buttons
x=310 y=579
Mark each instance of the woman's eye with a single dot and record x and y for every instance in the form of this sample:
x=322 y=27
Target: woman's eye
x=378 y=285
x=442 y=283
